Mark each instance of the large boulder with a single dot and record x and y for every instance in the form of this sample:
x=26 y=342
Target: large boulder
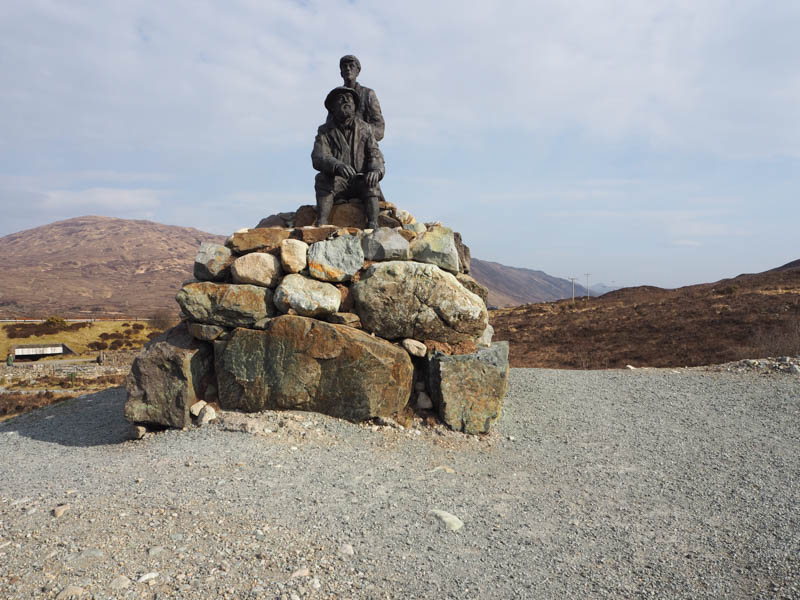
x=468 y=389
x=258 y=268
x=225 y=304
x=298 y=363
x=172 y=372
x=337 y=259
x=385 y=244
x=399 y=299
x=308 y=297
x=436 y=246
x=212 y=262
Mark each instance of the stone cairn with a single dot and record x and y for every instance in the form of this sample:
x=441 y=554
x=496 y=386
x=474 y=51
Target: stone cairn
x=351 y=322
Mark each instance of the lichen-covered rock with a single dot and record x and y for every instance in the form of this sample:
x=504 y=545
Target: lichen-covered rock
x=399 y=299
x=464 y=257
x=311 y=235
x=212 y=262
x=225 y=304
x=468 y=389
x=266 y=239
x=284 y=219
x=206 y=333
x=385 y=244
x=335 y=260
x=258 y=268
x=298 y=363
x=167 y=378
x=436 y=246
x=308 y=297
x=294 y=255
x=473 y=285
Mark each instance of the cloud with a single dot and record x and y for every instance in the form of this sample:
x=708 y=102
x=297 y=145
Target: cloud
x=185 y=76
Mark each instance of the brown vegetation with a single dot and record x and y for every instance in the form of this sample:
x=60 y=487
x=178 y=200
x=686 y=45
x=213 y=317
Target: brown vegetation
x=22 y=402
x=749 y=316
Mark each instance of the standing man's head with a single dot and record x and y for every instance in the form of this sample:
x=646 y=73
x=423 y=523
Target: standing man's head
x=342 y=103
x=349 y=67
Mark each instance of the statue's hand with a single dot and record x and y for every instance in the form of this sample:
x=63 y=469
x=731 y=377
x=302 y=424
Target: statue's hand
x=346 y=171
x=372 y=178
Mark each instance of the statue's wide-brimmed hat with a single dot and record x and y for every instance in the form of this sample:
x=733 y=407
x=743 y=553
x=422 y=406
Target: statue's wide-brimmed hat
x=334 y=93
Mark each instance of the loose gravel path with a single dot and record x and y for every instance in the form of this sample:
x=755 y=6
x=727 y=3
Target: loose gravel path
x=597 y=484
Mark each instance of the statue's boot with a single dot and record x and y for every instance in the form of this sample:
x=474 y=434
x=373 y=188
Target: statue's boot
x=371 y=204
x=324 y=205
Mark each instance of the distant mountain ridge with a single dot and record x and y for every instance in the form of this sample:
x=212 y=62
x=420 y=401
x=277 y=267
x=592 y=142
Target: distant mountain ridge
x=92 y=266
x=512 y=286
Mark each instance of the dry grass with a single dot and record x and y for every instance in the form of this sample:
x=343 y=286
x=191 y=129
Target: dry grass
x=14 y=404
x=127 y=333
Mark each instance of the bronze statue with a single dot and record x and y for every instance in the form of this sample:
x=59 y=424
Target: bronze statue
x=347 y=156
x=369 y=109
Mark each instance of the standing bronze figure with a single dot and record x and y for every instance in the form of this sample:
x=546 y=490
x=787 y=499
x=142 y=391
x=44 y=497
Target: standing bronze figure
x=369 y=109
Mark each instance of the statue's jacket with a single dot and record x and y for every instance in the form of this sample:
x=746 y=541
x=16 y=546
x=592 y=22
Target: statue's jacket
x=332 y=148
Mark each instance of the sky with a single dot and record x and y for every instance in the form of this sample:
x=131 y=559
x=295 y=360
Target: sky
x=644 y=143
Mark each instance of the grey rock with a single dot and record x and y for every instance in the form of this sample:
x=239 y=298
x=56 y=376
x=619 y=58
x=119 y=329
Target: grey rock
x=464 y=257
x=436 y=246
x=401 y=299
x=70 y=592
x=224 y=304
x=206 y=333
x=468 y=389
x=337 y=259
x=207 y=414
x=258 y=268
x=212 y=262
x=486 y=337
x=415 y=227
x=167 y=378
x=424 y=401
x=415 y=348
x=307 y=297
x=120 y=582
x=473 y=286
x=450 y=521
x=385 y=244
x=298 y=363
x=344 y=318
x=198 y=406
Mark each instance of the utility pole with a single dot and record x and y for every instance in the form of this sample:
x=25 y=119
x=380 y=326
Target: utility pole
x=587 y=285
x=572 y=279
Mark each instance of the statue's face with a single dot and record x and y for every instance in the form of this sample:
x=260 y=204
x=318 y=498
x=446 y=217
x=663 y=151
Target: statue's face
x=344 y=108
x=349 y=70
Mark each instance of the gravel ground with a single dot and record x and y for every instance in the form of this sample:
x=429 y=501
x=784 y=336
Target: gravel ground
x=596 y=484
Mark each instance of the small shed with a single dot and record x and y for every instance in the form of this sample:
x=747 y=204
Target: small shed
x=35 y=351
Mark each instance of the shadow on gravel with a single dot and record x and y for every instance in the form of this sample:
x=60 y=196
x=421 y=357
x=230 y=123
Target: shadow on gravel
x=90 y=420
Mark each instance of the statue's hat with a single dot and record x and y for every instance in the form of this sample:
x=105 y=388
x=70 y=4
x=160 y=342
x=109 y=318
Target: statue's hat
x=341 y=90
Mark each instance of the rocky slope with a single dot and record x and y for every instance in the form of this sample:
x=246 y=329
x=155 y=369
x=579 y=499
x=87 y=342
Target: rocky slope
x=747 y=316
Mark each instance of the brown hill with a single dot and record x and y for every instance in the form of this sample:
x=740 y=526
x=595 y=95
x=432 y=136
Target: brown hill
x=512 y=286
x=744 y=317
x=93 y=266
